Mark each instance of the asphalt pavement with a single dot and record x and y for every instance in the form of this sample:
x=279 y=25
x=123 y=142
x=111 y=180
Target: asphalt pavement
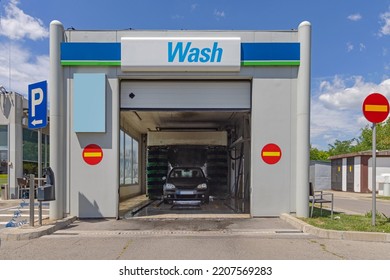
x=350 y=203
x=359 y=203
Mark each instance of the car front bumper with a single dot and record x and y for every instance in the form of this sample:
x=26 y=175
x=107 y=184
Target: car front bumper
x=185 y=195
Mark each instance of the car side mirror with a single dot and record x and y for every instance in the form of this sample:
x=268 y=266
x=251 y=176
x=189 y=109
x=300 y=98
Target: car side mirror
x=164 y=178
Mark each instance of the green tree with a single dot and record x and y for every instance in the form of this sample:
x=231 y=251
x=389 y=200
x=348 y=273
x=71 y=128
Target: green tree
x=382 y=137
x=317 y=154
x=342 y=147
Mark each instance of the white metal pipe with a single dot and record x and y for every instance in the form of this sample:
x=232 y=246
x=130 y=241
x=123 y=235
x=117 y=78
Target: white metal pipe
x=303 y=121
x=57 y=119
x=373 y=218
x=31 y=198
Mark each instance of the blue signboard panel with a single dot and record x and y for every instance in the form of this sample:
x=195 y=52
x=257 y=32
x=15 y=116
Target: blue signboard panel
x=109 y=54
x=37 y=105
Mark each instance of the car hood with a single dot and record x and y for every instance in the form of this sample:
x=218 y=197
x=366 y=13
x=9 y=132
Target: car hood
x=186 y=182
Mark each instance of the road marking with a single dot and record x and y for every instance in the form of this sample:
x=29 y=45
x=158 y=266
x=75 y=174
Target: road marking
x=26 y=209
x=229 y=232
x=11 y=215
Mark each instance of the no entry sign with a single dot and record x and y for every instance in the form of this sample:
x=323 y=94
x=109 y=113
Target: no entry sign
x=271 y=153
x=376 y=108
x=92 y=154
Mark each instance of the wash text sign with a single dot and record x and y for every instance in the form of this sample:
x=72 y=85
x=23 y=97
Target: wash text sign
x=181 y=54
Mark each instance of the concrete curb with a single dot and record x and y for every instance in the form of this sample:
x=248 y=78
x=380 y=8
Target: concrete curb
x=335 y=234
x=26 y=233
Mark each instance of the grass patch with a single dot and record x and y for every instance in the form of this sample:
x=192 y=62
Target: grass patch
x=3 y=179
x=383 y=197
x=346 y=222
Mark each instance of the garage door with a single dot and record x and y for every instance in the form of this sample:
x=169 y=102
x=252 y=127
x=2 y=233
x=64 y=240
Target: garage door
x=187 y=95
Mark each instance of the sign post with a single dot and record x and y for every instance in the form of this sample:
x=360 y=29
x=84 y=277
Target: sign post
x=375 y=109
x=37 y=119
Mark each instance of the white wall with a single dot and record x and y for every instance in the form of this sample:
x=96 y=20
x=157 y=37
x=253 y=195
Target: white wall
x=382 y=167
x=94 y=188
x=11 y=112
x=320 y=175
x=271 y=123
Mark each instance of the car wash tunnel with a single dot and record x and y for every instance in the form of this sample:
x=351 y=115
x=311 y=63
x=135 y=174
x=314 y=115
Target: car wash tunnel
x=186 y=149
x=199 y=122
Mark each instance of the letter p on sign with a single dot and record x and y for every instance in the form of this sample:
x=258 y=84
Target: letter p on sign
x=36 y=99
x=37 y=105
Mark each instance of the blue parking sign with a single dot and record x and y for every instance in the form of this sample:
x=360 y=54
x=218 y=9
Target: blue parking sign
x=37 y=105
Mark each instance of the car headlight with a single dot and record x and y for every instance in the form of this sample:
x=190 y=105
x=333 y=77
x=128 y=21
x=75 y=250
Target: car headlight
x=169 y=186
x=202 y=186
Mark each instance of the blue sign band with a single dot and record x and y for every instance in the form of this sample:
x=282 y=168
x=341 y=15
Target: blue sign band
x=91 y=51
x=270 y=51
x=109 y=54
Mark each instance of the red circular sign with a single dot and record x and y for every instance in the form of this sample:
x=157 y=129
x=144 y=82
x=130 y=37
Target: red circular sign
x=376 y=108
x=271 y=153
x=92 y=154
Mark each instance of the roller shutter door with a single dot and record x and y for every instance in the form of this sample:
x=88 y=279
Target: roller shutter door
x=186 y=95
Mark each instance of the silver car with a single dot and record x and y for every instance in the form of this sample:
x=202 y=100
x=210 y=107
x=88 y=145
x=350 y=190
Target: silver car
x=186 y=184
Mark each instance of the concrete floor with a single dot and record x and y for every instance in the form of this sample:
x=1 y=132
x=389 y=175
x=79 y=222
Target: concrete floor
x=142 y=207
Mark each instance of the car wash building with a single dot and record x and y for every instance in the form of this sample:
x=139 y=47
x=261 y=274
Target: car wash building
x=126 y=106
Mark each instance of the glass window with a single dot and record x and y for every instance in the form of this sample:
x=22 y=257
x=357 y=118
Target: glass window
x=3 y=154
x=128 y=156
x=121 y=157
x=135 y=161
x=30 y=151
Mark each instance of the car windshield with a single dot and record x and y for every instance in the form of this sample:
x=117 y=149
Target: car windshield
x=186 y=173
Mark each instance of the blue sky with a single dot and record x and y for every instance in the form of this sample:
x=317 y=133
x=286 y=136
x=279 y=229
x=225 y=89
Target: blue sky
x=350 y=43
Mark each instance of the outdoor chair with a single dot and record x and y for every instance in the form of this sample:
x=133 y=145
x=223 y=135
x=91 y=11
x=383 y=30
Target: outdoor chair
x=320 y=197
x=23 y=187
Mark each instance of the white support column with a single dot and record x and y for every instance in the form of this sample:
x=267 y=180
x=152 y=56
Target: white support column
x=15 y=141
x=344 y=171
x=303 y=121
x=357 y=175
x=57 y=120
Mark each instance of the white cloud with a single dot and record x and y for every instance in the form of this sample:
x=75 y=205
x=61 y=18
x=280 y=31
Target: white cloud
x=219 y=14
x=17 y=25
x=177 y=17
x=337 y=95
x=25 y=68
x=385 y=51
x=354 y=17
x=194 y=6
x=331 y=121
x=336 y=112
x=385 y=20
x=350 y=47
